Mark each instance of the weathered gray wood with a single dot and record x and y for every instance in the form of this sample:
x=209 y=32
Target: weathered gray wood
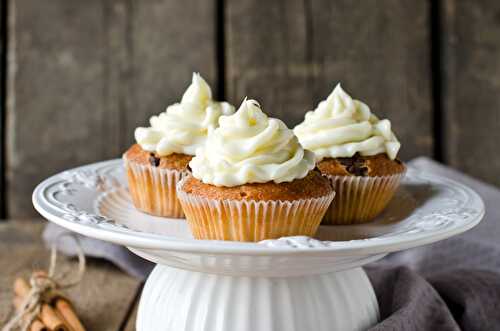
x=290 y=54
x=56 y=107
x=171 y=40
x=267 y=56
x=471 y=85
x=87 y=73
x=103 y=298
x=3 y=24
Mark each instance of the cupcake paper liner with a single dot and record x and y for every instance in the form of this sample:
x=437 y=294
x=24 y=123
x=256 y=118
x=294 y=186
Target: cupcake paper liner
x=360 y=199
x=249 y=220
x=153 y=190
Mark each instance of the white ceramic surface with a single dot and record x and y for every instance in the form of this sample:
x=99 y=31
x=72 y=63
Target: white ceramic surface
x=93 y=200
x=213 y=303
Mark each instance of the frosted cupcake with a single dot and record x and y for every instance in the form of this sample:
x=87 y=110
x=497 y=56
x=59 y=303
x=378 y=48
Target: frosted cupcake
x=253 y=181
x=160 y=158
x=357 y=152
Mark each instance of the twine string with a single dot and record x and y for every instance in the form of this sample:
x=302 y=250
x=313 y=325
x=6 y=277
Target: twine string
x=46 y=287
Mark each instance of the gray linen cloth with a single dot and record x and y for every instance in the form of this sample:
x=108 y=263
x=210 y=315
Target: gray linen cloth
x=450 y=285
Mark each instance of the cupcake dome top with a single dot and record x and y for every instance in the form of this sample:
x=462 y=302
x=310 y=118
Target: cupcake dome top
x=184 y=126
x=342 y=127
x=249 y=147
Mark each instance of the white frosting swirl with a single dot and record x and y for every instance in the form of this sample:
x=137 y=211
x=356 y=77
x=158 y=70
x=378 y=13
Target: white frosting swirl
x=342 y=127
x=184 y=126
x=249 y=147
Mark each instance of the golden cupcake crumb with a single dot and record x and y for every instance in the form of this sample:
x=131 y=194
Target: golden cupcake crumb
x=173 y=161
x=312 y=186
x=358 y=165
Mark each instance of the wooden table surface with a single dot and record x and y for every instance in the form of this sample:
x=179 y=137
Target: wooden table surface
x=105 y=300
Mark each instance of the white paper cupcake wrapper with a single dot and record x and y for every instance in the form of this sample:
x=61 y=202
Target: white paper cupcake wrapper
x=249 y=220
x=360 y=199
x=153 y=189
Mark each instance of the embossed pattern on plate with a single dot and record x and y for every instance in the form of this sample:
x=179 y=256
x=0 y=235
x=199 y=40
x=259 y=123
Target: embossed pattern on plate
x=93 y=200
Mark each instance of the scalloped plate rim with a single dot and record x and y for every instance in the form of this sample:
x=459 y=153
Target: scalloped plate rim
x=132 y=238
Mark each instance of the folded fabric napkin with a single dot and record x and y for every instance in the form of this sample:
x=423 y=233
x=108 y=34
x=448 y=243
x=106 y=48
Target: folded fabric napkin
x=450 y=285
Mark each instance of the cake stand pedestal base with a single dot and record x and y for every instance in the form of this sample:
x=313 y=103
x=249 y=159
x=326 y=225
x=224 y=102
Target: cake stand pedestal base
x=182 y=300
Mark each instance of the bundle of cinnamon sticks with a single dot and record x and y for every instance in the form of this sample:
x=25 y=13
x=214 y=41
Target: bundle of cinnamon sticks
x=58 y=315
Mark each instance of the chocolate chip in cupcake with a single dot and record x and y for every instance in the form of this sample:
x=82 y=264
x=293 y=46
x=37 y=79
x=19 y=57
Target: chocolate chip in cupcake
x=163 y=150
x=253 y=181
x=357 y=152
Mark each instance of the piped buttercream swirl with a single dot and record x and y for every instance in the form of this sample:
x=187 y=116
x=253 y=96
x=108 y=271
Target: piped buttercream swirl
x=342 y=127
x=184 y=126
x=250 y=147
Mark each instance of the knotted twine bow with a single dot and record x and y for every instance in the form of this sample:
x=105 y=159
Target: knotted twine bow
x=45 y=288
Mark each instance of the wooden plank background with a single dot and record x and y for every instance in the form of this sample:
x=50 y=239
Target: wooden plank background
x=471 y=86
x=3 y=53
x=82 y=75
x=289 y=54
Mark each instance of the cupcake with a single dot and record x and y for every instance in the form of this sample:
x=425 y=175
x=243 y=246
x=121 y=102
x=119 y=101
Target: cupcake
x=253 y=181
x=357 y=152
x=161 y=156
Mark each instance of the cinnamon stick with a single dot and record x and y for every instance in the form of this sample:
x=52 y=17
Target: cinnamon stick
x=48 y=316
x=36 y=324
x=21 y=287
x=64 y=308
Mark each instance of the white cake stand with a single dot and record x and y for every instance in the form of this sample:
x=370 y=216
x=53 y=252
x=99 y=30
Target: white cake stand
x=294 y=283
